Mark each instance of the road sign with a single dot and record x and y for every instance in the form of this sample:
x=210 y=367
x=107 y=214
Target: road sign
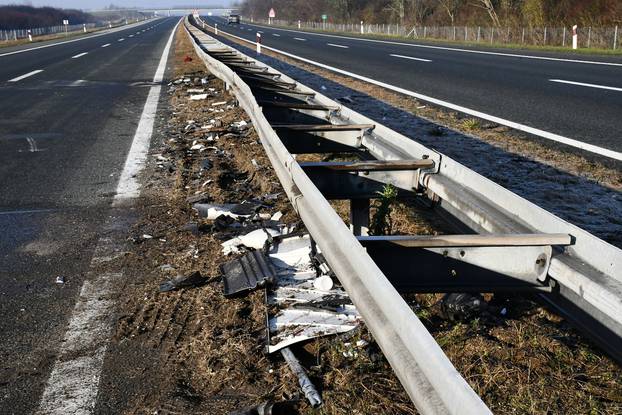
x=272 y=14
x=324 y=17
x=65 y=22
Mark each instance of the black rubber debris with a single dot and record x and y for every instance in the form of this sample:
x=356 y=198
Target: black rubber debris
x=462 y=306
x=183 y=281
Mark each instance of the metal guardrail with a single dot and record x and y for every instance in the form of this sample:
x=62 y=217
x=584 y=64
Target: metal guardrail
x=582 y=277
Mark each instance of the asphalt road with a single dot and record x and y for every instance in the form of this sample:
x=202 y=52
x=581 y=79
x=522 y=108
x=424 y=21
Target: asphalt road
x=65 y=133
x=517 y=89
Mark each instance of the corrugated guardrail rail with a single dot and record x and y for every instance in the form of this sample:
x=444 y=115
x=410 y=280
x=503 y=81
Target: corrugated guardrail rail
x=508 y=242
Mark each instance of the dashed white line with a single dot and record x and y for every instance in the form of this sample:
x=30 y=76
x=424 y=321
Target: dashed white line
x=19 y=78
x=79 y=55
x=300 y=39
x=106 y=45
x=611 y=88
x=74 y=381
x=338 y=46
x=411 y=58
x=276 y=34
x=517 y=126
x=131 y=36
x=121 y=40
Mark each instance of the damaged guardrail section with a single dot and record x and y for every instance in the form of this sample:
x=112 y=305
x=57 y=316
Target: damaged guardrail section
x=579 y=273
x=427 y=375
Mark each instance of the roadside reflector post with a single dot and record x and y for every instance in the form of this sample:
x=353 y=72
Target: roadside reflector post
x=564 y=37
x=30 y=35
x=216 y=28
x=575 y=41
x=362 y=28
x=615 y=38
x=298 y=24
x=84 y=27
x=258 y=43
x=110 y=25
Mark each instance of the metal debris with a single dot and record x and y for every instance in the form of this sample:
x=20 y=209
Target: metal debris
x=247 y=273
x=305 y=383
x=462 y=306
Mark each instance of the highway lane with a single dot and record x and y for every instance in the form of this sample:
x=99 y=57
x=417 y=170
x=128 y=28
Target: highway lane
x=518 y=89
x=65 y=133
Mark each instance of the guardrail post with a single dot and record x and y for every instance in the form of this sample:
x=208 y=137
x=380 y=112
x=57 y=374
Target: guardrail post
x=359 y=216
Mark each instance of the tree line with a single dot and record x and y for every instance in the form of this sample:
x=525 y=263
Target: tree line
x=530 y=13
x=28 y=17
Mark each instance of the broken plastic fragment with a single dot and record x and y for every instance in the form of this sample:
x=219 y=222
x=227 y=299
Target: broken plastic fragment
x=256 y=239
x=323 y=283
x=198 y=97
x=60 y=279
x=247 y=273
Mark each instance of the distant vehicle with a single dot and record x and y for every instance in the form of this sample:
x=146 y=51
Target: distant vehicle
x=233 y=18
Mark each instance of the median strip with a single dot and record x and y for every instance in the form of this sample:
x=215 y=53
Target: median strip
x=19 y=78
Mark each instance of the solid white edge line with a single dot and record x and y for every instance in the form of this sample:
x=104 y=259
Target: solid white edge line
x=107 y=32
x=562 y=81
x=410 y=57
x=481 y=52
x=129 y=187
x=73 y=384
x=616 y=155
x=79 y=55
x=19 y=78
x=338 y=46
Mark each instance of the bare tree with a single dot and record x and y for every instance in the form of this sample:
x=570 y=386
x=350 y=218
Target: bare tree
x=490 y=9
x=397 y=8
x=451 y=7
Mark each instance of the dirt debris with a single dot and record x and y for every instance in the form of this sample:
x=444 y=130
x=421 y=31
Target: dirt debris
x=195 y=351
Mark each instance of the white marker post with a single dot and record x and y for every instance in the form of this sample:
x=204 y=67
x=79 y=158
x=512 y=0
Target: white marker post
x=110 y=25
x=30 y=35
x=271 y=15
x=258 y=43
x=65 y=23
x=84 y=27
x=298 y=24
x=216 y=28
x=575 y=40
x=362 y=28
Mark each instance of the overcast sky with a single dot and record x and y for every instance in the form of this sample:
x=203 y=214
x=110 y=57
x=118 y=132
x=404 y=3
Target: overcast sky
x=100 y=4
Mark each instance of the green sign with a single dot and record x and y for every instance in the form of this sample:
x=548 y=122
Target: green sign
x=324 y=17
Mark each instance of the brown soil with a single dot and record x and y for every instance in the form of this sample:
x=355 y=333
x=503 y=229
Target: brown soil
x=206 y=352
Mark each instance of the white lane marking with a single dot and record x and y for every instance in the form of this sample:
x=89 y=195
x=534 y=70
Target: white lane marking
x=128 y=187
x=79 y=82
x=276 y=34
x=74 y=382
x=121 y=40
x=531 y=130
x=300 y=39
x=19 y=78
x=106 y=45
x=410 y=57
x=481 y=52
x=32 y=144
x=27 y=212
x=79 y=55
x=138 y=33
x=103 y=33
x=131 y=36
x=561 y=81
x=338 y=46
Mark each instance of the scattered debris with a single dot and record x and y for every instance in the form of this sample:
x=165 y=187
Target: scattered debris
x=237 y=210
x=462 y=306
x=270 y=408
x=247 y=273
x=199 y=97
x=194 y=279
x=256 y=239
x=305 y=383
x=60 y=279
x=195 y=90
x=217 y=104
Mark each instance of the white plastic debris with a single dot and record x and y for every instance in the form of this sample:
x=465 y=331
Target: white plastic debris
x=323 y=283
x=197 y=147
x=147 y=236
x=60 y=279
x=277 y=216
x=216 y=104
x=198 y=97
x=240 y=125
x=255 y=239
x=196 y=90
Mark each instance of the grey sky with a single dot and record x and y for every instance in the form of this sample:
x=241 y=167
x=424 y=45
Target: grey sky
x=99 y=4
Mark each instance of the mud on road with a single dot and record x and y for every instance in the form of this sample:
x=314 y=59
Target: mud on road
x=194 y=351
